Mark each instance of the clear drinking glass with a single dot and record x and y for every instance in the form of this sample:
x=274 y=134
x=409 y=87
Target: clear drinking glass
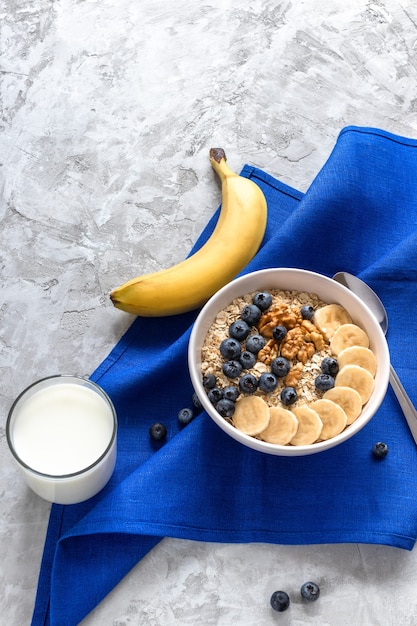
x=62 y=431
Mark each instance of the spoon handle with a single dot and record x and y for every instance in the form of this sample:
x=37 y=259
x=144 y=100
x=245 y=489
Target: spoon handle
x=409 y=411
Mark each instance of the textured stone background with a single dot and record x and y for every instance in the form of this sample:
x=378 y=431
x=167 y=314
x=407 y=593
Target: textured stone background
x=108 y=111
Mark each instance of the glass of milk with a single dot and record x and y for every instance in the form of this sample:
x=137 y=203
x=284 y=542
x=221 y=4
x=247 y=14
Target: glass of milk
x=62 y=432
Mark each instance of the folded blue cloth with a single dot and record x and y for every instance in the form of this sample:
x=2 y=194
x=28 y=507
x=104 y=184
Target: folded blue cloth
x=359 y=215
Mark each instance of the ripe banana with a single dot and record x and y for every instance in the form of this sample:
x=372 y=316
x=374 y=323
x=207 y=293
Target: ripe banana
x=281 y=428
x=332 y=415
x=235 y=240
x=348 y=335
x=347 y=398
x=358 y=378
x=358 y=355
x=309 y=426
x=251 y=415
x=329 y=318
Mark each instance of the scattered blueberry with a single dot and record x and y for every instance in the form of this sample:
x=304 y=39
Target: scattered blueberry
x=307 y=312
x=262 y=300
x=239 y=330
x=323 y=382
x=288 y=396
x=329 y=365
x=230 y=348
x=248 y=383
x=158 y=431
x=251 y=314
x=247 y=359
x=215 y=394
x=185 y=416
x=254 y=343
x=310 y=591
x=209 y=381
x=231 y=393
x=225 y=407
x=232 y=369
x=280 y=366
x=280 y=601
x=279 y=332
x=267 y=382
x=380 y=450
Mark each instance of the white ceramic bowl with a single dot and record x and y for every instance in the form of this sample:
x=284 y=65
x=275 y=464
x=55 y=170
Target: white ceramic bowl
x=329 y=291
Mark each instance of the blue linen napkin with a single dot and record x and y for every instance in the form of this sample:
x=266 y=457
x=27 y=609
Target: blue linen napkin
x=359 y=215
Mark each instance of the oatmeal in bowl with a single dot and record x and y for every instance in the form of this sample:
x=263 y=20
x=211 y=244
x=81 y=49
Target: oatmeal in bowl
x=288 y=361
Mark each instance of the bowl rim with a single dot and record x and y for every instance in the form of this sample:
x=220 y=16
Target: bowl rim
x=206 y=317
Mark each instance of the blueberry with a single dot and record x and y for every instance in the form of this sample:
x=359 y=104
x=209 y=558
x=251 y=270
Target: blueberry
x=380 y=450
x=231 y=393
x=254 y=343
x=209 y=381
x=251 y=314
x=262 y=300
x=230 y=348
x=280 y=601
x=307 y=312
x=247 y=359
x=185 y=416
x=329 y=365
x=279 y=332
x=323 y=382
x=215 y=394
x=225 y=407
x=267 y=382
x=280 y=366
x=288 y=396
x=248 y=383
x=232 y=369
x=310 y=591
x=196 y=403
x=158 y=431
x=239 y=330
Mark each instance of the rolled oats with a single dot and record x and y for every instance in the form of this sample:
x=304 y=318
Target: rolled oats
x=304 y=345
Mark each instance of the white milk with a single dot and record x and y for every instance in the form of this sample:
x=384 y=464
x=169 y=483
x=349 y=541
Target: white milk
x=61 y=431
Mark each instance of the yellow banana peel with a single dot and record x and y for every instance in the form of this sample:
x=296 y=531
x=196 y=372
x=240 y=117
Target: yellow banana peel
x=234 y=242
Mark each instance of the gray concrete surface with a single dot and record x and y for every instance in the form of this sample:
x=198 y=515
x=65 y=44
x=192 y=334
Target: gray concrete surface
x=108 y=112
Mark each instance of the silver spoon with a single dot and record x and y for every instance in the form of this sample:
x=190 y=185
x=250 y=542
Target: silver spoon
x=370 y=298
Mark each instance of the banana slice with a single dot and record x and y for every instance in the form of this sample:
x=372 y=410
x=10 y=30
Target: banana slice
x=251 y=415
x=347 y=398
x=358 y=355
x=358 y=378
x=332 y=415
x=329 y=318
x=281 y=428
x=309 y=426
x=346 y=336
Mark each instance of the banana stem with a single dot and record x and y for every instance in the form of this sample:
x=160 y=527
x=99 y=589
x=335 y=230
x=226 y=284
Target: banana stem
x=218 y=163
x=217 y=154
